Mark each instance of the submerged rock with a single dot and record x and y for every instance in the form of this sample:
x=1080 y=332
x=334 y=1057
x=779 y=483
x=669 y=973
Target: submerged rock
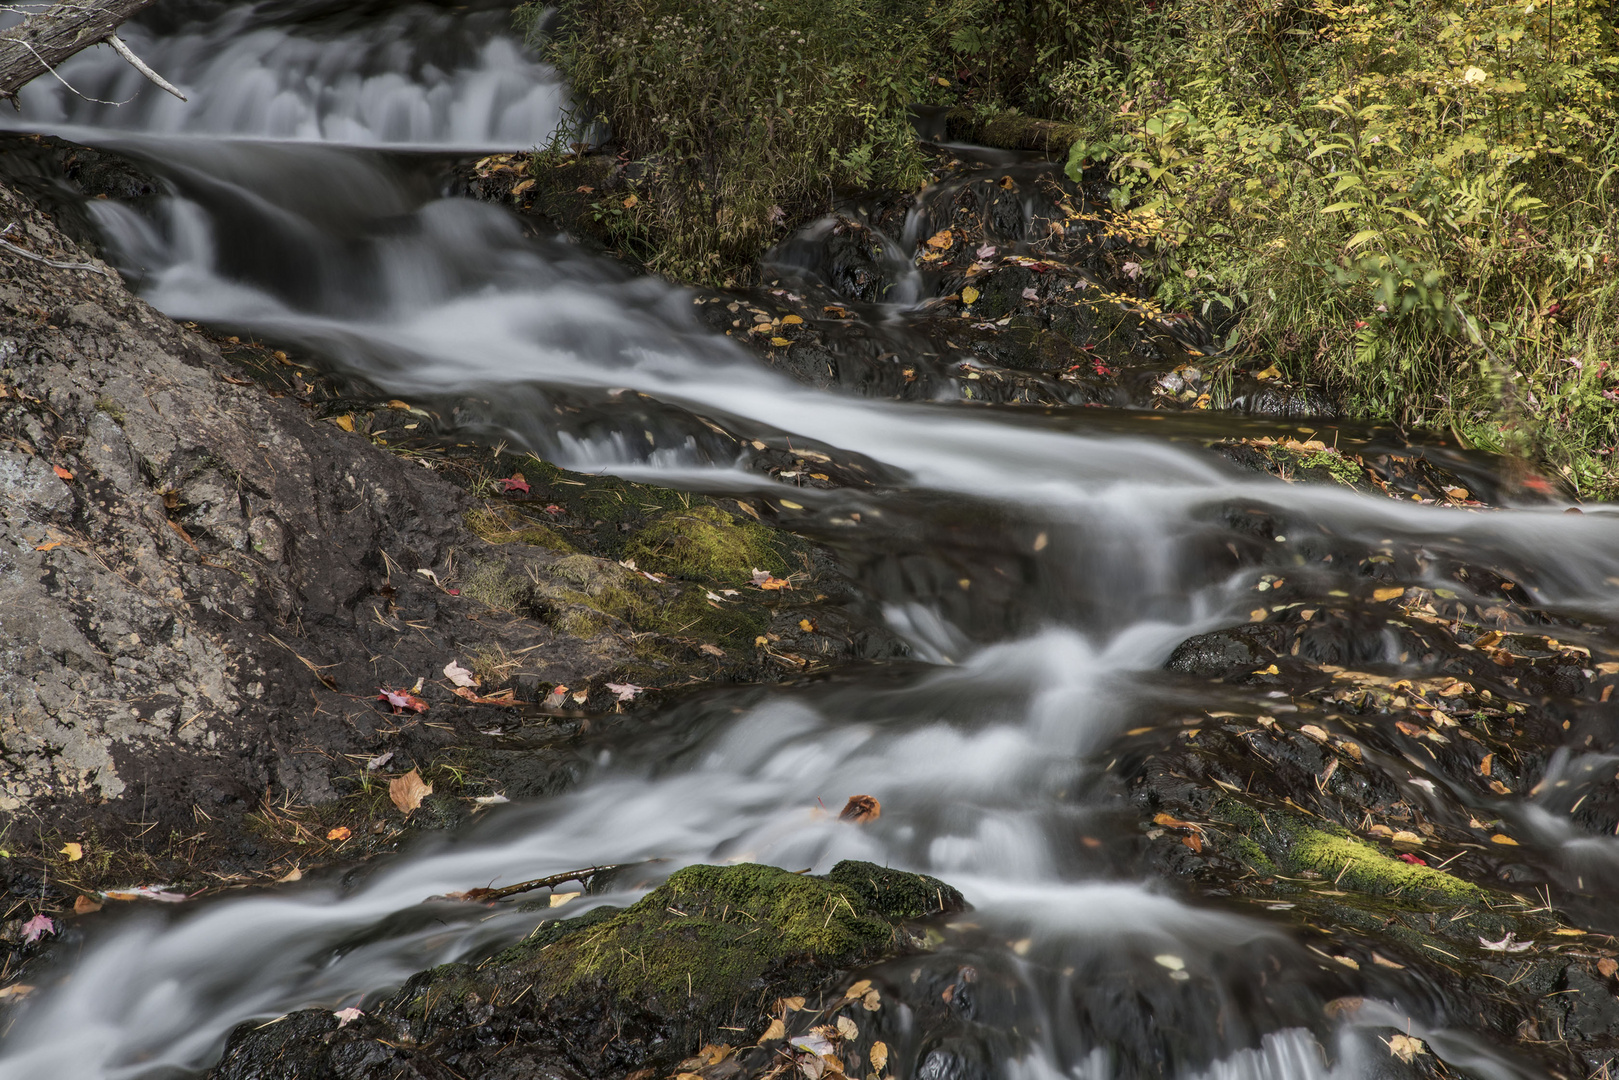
x=697 y=967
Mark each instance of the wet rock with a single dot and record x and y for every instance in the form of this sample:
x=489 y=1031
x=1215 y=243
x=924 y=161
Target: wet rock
x=1225 y=652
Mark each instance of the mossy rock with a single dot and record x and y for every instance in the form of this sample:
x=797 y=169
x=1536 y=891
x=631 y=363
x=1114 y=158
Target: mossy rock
x=1287 y=844
x=702 y=958
x=705 y=542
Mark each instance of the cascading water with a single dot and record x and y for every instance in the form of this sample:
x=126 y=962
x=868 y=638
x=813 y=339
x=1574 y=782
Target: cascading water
x=286 y=220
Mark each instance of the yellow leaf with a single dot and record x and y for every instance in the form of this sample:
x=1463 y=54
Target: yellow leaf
x=792 y=1004
x=629 y=203
x=879 y=1056
x=790 y=320
x=847 y=1029
x=73 y=851
x=969 y=295
x=806 y=626
x=1387 y=594
x=942 y=239
x=1268 y=670
x=1405 y=1047
x=340 y=833
x=776 y=1030
x=1316 y=733
x=780 y=341
x=521 y=186
x=1501 y=838
x=789 y=504
x=408 y=791
x=346 y=421
x=1272 y=372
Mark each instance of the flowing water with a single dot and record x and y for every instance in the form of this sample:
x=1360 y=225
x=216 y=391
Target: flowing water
x=302 y=206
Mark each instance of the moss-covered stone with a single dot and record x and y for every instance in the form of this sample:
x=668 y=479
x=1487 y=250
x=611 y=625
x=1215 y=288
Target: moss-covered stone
x=702 y=958
x=505 y=526
x=705 y=542
x=1286 y=843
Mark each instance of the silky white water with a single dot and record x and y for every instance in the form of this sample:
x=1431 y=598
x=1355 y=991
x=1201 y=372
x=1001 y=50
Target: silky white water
x=284 y=220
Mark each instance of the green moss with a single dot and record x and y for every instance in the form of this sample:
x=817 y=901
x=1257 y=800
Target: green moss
x=711 y=933
x=1285 y=843
x=489 y=583
x=705 y=542
x=111 y=407
x=507 y=527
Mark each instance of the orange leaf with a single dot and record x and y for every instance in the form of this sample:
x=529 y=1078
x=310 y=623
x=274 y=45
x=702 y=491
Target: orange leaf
x=408 y=791
x=84 y=905
x=1195 y=842
x=63 y=473
x=861 y=809
x=340 y=833
x=51 y=546
x=1388 y=594
x=1484 y=766
x=1608 y=965
x=1171 y=821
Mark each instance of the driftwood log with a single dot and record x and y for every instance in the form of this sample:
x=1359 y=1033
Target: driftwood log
x=46 y=38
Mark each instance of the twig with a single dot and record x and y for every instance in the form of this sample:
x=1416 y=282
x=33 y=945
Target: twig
x=57 y=263
x=139 y=65
x=581 y=876
x=57 y=75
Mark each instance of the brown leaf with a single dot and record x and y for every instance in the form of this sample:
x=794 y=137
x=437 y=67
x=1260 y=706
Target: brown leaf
x=1409 y=728
x=1484 y=766
x=848 y=1029
x=872 y=1001
x=776 y=1030
x=1608 y=966
x=711 y=650
x=84 y=905
x=861 y=809
x=408 y=791
x=942 y=240
x=15 y=990
x=1195 y=842
x=879 y=1056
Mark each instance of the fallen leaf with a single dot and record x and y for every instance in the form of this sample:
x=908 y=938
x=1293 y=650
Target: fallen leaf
x=1170 y=961
x=1171 y=821
x=871 y=1001
x=861 y=809
x=84 y=905
x=1484 y=766
x=878 y=1056
x=1381 y=831
x=1194 y=842
x=459 y=675
x=776 y=1030
x=1390 y=593
x=942 y=240
x=848 y=1029
x=346 y=421
x=522 y=186
x=806 y=626
x=792 y=1004
x=491 y=800
x=347 y=1016
x=36 y=928
x=626 y=691
x=711 y=650
x=408 y=791
x=1270 y=669
x=342 y=832
x=73 y=851
x=1316 y=733
x=1608 y=966
x=61 y=472
x=514 y=482
x=290 y=876
x=401 y=700
x=811 y=1044
x=1502 y=838
x=379 y=761
x=969 y=295
x=1383 y=961
x=1506 y=944
x=1405 y=1047
x=556 y=697
x=631 y=202
x=15 y=990
x=1272 y=372
x=1412 y=859
x=1409 y=728
x=49 y=546
x=558 y=899
x=1030 y=294
x=1405 y=836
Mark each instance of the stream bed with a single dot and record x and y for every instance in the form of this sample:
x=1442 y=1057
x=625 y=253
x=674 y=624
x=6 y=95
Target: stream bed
x=1044 y=546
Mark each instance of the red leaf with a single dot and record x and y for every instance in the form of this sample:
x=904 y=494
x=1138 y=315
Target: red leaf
x=61 y=472
x=401 y=700
x=555 y=509
x=1412 y=859
x=514 y=482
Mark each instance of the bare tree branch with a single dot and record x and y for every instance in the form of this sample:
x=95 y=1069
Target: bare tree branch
x=46 y=38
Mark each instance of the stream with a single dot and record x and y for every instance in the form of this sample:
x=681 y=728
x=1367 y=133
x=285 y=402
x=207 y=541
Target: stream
x=1042 y=564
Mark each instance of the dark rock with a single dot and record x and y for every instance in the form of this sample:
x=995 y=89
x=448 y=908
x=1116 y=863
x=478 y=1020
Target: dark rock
x=1224 y=652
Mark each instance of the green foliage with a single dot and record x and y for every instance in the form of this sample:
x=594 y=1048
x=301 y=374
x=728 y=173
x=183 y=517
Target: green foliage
x=1410 y=199
x=705 y=542
x=746 y=114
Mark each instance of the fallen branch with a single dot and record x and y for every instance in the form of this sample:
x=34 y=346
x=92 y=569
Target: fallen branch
x=57 y=263
x=490 y=895
x=43 y=40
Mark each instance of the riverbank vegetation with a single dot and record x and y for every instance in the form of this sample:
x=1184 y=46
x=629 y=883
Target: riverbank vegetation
x=1408 y=201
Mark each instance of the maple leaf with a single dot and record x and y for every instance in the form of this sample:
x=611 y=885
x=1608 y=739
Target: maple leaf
x=36 y=928
x=401 y=700
x=514 y=482
x=408 y=791
x=625 y=691
x=347 y=1016
x=459 y=675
